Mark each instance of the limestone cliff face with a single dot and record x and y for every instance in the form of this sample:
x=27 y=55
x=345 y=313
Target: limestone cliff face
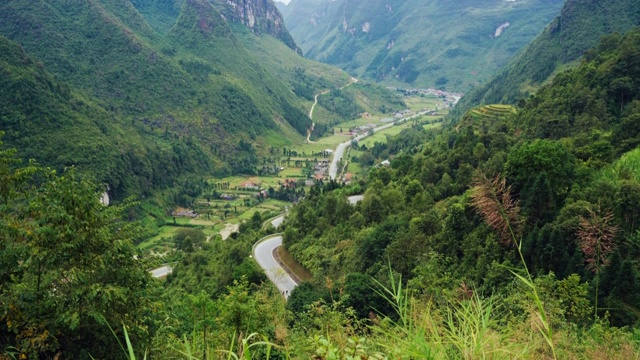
x=261 y=16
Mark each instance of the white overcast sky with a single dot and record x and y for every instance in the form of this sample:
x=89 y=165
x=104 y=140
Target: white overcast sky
x=284 y=1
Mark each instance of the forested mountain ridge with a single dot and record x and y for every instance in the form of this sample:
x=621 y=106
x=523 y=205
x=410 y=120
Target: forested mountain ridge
x=189 y=90
x=452 y=45
x=569 y=157
x=141 y=72
x=60 y=126
x=578 y=28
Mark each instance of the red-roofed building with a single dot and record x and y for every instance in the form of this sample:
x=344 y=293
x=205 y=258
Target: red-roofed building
x=290 y=183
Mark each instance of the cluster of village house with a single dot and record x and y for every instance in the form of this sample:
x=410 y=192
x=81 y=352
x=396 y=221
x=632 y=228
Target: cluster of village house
x=402 y=114
x=361 y=129
x=184 y=213
x=321 y=168
x=450 y=98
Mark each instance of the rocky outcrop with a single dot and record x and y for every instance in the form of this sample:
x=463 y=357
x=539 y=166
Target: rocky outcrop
x=261 y=16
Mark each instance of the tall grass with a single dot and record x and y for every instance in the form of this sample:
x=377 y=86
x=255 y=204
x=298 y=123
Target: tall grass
x=129 y=351
x=413 y=335
x=465 y=329
x=195 y=348
x=245 y=348
x=492 y=198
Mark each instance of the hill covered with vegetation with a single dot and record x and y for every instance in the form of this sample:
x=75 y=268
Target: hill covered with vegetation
x=561 y=208
x=511 y=233
x=169 y=84
x=578 y=28
x=450 y=45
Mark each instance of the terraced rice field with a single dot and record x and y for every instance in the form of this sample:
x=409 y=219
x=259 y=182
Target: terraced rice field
x=493 y=111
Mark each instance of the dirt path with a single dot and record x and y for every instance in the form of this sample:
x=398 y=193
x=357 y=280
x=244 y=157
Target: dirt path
x=352 y=81
x=228 y=230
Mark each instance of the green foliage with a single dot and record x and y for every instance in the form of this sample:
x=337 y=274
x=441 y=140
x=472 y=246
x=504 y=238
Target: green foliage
x=69 y=268
x=528 y=161
x=418 y=214
x=189 y=239
x=304 y=295
x=578 y=28
x=417 y=43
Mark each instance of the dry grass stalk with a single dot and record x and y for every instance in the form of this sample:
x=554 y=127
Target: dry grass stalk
x=596 y=236
x=492 y=198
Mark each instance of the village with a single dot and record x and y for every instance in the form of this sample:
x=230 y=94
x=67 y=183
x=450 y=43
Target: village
x=450 y=99
x=287 y=173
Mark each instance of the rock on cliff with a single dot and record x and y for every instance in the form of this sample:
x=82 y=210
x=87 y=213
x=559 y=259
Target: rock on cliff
x=261 y=16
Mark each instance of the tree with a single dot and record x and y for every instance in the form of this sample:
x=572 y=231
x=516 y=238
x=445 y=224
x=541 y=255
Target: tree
x=528 y=160
x=189 y=239
x=241 y=312
x=622 y=87
x=538 y=199
x=304 y=295
x=11 y=176
x=359 y=295
x=75 y=272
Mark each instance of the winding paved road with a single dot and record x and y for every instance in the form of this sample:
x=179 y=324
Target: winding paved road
x=161 y=271
x=277 y=221
x=263 y=254
x=337 y=155
x=355 y=199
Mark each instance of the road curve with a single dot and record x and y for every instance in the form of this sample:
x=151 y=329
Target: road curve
x=337 y=155
x=355 y=199
x=263 y=253
x=161 y=271
x=352 y=80
x=276 y=222
x=313 y=125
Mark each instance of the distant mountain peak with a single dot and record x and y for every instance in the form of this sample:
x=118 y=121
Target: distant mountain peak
x=419 y=43
x=260 y=16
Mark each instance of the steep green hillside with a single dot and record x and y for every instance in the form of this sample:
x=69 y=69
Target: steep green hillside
x=512 y=235
x=307 y=78
x=159 y=14
x=60 y=126
x=453 y=45
x=52 y=122
x=137 y=72
x=562 y=209
x=578 y=28
x=192 y=81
